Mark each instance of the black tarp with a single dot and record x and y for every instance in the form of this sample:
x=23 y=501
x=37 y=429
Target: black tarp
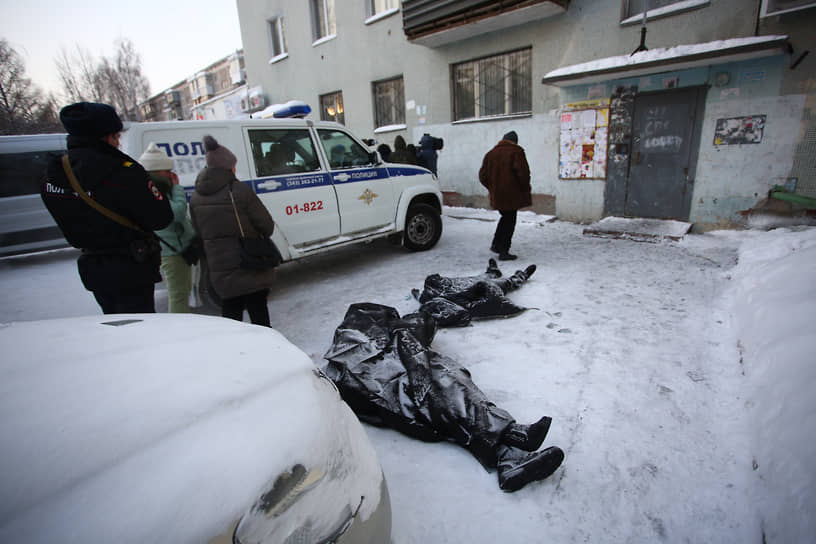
x=386 y=371
x=456 y=301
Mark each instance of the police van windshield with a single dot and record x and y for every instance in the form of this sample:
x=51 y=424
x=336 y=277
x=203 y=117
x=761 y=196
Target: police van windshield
x=342 y=150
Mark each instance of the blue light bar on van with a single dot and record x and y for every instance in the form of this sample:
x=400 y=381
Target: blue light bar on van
x=293 y=108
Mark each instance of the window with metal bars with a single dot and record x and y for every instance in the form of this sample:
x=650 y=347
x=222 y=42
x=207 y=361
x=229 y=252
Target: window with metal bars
x=389 y=102
x=331 y=107
x=493 y=86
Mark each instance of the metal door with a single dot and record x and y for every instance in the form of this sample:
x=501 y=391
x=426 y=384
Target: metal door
x=666 y=128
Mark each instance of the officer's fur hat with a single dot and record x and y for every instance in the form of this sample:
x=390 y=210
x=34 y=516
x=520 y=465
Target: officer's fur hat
x=90 y=120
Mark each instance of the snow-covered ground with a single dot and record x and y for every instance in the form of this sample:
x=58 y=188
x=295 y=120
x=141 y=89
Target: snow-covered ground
x=679 y=377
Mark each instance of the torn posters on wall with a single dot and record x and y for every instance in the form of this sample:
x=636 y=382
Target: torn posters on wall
x=739 y=130
x=583 y=140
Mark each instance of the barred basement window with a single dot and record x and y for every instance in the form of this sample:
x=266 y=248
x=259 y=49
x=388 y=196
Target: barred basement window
x=389 y=102
x=493 y=86
x=331 y=107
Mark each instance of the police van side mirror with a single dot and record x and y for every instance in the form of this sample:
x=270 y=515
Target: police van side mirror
x=373 y=158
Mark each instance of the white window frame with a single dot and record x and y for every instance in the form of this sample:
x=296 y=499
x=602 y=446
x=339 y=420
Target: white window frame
x=373 y=14
x=277 y=38
x=329 y=29
x=768 y=10
x=654 y=13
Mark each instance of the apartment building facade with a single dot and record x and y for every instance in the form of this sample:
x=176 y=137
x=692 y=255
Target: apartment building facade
x=218 y=91
x=693 y=112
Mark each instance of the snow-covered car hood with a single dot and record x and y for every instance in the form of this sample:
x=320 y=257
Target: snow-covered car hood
x=159 y=428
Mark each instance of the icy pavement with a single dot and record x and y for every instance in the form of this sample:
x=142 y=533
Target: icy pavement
x=630 y=347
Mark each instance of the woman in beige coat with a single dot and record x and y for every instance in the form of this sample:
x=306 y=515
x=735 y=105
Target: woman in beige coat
x=214 y=219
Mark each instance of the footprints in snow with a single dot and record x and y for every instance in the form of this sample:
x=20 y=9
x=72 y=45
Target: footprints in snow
x=552 y=325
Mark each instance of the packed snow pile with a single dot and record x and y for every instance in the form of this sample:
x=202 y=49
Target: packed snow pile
x=774 y=315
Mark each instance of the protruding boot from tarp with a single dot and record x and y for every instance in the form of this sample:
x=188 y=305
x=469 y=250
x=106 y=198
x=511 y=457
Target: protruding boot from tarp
x=527 y=437
x=517 y=468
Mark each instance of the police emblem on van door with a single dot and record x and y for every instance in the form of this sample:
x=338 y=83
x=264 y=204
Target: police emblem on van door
x=368 y=196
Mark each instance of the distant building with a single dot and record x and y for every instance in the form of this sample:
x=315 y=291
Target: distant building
x=219 y=91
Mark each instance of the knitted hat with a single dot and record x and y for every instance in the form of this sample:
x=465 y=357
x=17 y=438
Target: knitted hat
x=155 y=159
x=218 y=156
x=512 y=136
x=90 y=120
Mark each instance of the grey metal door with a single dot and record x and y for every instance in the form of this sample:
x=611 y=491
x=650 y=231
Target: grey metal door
x=666 y=128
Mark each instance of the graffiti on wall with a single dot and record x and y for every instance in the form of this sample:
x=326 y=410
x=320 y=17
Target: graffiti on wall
x=739 y=130
x=583 y=140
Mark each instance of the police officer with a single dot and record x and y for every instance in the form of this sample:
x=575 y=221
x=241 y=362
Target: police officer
x=119 y=263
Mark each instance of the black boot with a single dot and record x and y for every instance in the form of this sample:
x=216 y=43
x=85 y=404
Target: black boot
x=527 y=437
x=517 y=469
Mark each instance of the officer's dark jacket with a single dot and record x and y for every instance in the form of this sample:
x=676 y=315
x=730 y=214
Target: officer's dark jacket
x=114 y=180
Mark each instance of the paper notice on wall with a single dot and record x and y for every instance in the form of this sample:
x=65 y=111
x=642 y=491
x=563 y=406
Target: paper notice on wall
x=583 y=142
x=603 y=118
x=588 y=118
x=569 y=170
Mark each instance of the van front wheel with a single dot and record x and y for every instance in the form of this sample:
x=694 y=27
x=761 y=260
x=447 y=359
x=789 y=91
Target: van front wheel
x=423 y=227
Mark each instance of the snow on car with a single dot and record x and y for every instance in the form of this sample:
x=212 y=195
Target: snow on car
x=177 y=428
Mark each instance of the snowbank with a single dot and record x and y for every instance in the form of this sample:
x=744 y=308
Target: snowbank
x=774 y=315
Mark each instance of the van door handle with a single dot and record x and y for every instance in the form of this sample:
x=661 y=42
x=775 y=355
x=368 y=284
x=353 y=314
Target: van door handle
x=342 y=177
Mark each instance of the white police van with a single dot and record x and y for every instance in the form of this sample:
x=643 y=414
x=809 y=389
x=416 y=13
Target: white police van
x=323 y=187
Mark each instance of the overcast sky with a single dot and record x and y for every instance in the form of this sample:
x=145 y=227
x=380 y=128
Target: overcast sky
x=175 y=38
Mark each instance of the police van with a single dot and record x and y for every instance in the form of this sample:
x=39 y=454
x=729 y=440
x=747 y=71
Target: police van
x=322 y=185
x=25 y=224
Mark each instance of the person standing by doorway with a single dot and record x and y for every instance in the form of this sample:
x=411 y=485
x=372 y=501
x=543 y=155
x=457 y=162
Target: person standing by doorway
x=505 y=174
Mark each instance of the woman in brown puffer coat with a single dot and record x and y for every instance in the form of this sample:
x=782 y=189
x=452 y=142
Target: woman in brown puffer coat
x=214 y=219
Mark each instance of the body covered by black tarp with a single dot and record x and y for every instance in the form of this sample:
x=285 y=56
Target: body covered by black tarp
x=386 y=371
x=456 y=301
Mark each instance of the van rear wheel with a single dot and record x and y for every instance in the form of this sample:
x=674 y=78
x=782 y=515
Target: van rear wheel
x=423 y=227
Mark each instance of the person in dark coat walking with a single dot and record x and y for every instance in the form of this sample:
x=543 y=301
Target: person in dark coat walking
x=214 y=218
x=119 y=264
x=506 y=176
x=427 y=153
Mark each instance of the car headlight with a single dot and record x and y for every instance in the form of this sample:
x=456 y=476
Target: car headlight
x=290 y=512
x=334 y=493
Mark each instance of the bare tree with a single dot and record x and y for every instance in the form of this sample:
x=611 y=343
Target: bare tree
x=78 y=73
x=23 y=110
x=117 y=81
